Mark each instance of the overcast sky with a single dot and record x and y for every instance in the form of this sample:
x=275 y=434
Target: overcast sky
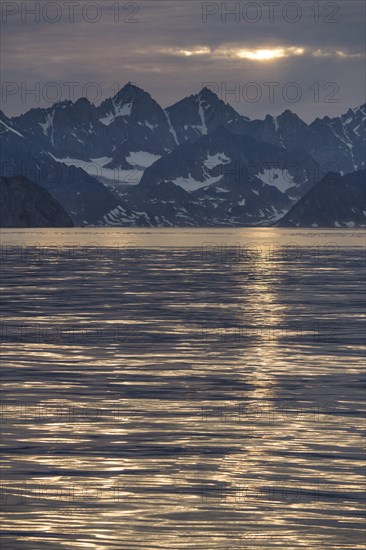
x=286 y=55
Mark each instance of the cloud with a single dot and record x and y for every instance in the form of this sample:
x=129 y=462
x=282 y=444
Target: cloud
x=196 y=50
x=170 y=52
x=336 y=53
x=260 y=54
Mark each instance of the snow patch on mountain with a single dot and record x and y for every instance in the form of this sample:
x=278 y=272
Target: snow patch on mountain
x=119 y=110
x=172 y=131
x=150 y=126
x=278 y=214
x=142 y=159
x=96 y=168
x=87 y=165
x=11 y=129
x=48 y=125
x=278 y=178
x=216 y=160
x=190 y=184
x=222 y=190
x=202 y=117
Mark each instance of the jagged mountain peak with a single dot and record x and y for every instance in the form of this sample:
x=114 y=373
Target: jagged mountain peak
x=288 y=115
x=41 y=112
x=354 y=114
x=284 y=120
x=355 y=110
x=129 y=93
x=207 y=94
x=82 y=101
x=131 y=137
x=82 y=107
x=200 y=114
x=137 y=113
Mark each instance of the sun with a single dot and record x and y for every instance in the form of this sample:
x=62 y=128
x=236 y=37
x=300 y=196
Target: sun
x=268 y=54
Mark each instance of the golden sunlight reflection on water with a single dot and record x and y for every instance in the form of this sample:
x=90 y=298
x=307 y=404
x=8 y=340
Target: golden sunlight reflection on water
x=187 y=395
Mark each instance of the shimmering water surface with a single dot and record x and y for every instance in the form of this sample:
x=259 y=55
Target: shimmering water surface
x=196 y=389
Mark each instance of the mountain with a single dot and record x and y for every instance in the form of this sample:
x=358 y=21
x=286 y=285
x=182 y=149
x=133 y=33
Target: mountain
x=340 y=141
x=249 y=203
x=336 y=201
x=212 y=157
x=198 y=162
x=66 y=129
x=116 y=140
x=86 y=200
x=337 y=144
x=200 y=114
x=224 y=179
x=26 y=204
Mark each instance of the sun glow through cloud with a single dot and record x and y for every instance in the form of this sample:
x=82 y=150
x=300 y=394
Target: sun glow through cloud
x=198 y=51
x=230 y=51
x=260 y=54
x=269 y=54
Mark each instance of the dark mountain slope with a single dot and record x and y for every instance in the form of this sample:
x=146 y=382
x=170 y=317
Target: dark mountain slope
x=26 y=204
x=335 y=201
